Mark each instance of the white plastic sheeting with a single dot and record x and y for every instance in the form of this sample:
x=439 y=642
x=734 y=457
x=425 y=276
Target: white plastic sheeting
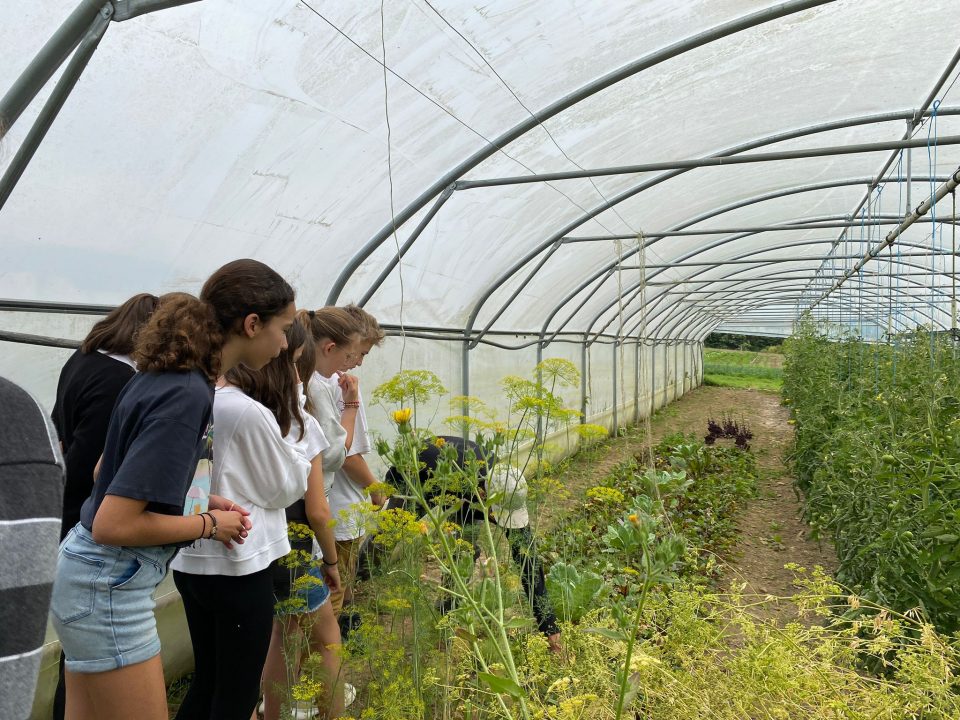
x=270 y=128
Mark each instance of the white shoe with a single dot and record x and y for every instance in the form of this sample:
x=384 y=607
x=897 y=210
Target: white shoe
x=349 y=694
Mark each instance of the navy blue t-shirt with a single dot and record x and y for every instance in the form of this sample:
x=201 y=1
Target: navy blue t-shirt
x=154 y=442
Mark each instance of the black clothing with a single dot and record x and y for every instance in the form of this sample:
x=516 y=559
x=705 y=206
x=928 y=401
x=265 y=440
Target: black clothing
x=156 y=437
x=230 y=620
x=86 y=393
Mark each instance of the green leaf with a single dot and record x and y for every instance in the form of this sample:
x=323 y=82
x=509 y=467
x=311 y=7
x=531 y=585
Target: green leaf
x=502 y=685
x=607 y=633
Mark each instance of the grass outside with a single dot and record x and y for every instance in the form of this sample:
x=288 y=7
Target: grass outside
x=741 y=369
x=713 y=356
x=746 y=382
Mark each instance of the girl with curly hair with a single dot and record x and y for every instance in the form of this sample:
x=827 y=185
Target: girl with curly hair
x=139 y=513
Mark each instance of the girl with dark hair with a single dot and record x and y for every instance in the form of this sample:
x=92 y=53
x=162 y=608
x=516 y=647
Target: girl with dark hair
x=89 y=384
x=133 y=523
x=256 y=410
x=304 y=612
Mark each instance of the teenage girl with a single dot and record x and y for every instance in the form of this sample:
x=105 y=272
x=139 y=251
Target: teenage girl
x=228 y=596
x=131 y=526
x=305 y=612
x=89 y=384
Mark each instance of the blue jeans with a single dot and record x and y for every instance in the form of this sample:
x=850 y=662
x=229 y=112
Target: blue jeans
x=102 y=603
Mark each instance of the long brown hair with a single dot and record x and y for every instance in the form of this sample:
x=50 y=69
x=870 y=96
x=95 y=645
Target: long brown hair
x=117 y=332
x=182 y=334
x=371 y=332
x=275 y=385
x=331 y=323
x=244 y=287
x=307 y=364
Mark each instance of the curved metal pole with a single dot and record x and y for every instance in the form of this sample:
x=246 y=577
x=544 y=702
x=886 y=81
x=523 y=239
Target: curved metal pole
x=51 y=56
x=757 y=282
x=687 y=256
x=535 y=120
x=660 y=296
x=646 y=184
x=407 y=244
x=876 y=290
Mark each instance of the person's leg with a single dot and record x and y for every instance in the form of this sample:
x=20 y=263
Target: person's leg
x=284 y=641
x=524 y=550
x=324 y=634
x=132 y=691
x=243 y=620
x=200 y=620
x=348 y=557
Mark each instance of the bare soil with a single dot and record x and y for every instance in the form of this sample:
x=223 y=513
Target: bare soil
x=772 y=531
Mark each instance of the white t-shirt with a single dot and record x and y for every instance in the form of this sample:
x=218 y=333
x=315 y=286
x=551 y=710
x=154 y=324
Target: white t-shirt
x=313 y=442
x=255 y=467
x=326 y=410
x=348 y=503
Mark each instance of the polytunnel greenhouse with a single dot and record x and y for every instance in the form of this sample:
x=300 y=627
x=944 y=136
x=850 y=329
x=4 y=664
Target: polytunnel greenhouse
x=549 y=209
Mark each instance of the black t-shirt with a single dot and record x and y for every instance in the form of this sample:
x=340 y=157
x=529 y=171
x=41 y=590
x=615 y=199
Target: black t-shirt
x=428 y=458
x=155 y=439
x=86 y=393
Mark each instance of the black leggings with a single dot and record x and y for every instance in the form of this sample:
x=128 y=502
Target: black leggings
x=230 y=620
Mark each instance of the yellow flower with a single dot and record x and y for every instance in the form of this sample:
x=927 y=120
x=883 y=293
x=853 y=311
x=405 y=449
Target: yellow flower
x=633 y=518
x=402 y=417
x=439 y=442
x=605 y=495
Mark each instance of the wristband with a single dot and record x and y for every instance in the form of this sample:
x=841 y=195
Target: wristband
x=352 y=404
x=330 y=564
x=203 y=532
x=213 y=528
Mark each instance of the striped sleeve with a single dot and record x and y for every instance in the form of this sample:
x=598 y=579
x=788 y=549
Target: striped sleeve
x=31 y=493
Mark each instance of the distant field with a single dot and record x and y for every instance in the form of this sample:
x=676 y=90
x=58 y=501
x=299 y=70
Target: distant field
x=740 y=357
x=740 y=369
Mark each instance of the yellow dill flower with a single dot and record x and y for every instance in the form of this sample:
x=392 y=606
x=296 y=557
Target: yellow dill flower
x=306 y=690
x=605 y=495
x=299 y=531
x=402 y=416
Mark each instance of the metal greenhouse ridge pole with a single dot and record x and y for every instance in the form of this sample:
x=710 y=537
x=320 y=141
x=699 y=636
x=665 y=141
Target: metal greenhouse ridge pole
x=707 y=162
x=45 y=63
x=922 y=209
x=85 y=49
x=536 y=119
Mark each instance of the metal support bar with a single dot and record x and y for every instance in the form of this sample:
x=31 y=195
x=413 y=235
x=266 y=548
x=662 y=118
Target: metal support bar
x=616 y=398
x=71 y=74
x=408 y=243
x=129 y=9
x=830 y=150
x=891 y=237
x=892 y=220
x=51 y=56
x=536 y=119
x=583 y=381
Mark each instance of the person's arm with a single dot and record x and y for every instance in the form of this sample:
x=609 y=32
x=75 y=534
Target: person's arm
x=350 y=390
x=262 y=466
x=360 y=473
x=319 y=516
x=125 y=521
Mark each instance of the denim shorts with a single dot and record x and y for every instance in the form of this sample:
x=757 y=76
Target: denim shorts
x=102 y=603
x=295 y=602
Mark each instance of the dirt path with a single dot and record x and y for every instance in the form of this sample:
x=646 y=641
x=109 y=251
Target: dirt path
x=772 y=532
